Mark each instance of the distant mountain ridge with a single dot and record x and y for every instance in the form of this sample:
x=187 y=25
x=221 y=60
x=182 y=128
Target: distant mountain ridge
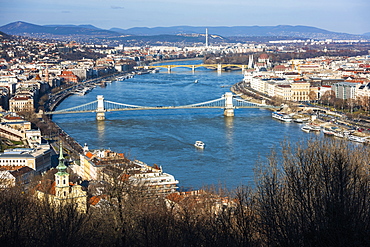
x=280 y=30
x=28 y=29
x=22 y=28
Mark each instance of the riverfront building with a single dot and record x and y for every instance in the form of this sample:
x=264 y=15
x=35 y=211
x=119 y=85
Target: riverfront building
x=106 y=165
x=345 y=90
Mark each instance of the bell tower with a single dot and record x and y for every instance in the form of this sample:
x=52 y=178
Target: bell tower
x=61 y=178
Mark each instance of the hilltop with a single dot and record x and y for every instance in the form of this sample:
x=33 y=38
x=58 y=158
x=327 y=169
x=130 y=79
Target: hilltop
x=182 y=34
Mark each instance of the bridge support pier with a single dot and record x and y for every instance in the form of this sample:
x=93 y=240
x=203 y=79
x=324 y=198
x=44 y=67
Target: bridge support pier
x=193 y=68
x=169 y=68
x=100 y=116
x=229 y=107
x=243 y=68
x=219 y=67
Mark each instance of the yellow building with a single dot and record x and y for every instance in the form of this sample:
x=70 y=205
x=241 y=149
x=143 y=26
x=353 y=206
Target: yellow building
x=61 y=191
x=300 y=91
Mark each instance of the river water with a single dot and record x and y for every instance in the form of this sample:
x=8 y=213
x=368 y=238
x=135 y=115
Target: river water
x=166 y=137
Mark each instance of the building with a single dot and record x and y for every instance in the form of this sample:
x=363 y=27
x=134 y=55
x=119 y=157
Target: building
x=300 y=90
x=363 y=91
x=20 y=103
x=345 y=90
x=62 y=191
x=68 y=76
x=39 y=159
x=105 y=165
x=11 y=178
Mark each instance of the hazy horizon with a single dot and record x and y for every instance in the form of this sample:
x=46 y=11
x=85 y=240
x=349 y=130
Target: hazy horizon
x=333 y=15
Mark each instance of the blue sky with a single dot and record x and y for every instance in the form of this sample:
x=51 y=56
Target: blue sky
x=349 y=16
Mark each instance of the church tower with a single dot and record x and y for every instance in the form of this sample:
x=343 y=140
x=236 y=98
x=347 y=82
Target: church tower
x=61 y=178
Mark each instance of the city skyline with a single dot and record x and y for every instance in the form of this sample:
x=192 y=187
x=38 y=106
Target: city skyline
x=332 y=15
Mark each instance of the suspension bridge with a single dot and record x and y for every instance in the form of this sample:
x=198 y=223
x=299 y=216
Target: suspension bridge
x=228 y=102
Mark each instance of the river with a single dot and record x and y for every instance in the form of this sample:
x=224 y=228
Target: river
x=166 y=137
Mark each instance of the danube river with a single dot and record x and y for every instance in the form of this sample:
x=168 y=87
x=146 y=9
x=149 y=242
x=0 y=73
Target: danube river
x=166 y=137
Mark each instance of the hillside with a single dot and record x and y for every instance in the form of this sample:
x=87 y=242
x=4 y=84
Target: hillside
x=28 y=29
x=239 y=31
x=173 y=34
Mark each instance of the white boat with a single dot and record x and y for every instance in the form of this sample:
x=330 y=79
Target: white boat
x=196 y=81
x=199 y=144
x=301 y=120
x=282 y=116
x=315 y=128
x=310 y=127
x=306 y=128
x=328 y=132
x=357 y=139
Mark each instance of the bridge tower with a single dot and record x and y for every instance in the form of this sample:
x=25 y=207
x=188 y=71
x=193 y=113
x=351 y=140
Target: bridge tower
x=229 y=107
x=100 y=111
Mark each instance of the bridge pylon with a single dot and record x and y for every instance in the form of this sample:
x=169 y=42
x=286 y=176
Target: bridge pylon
x=100 y=111
x=229 y=107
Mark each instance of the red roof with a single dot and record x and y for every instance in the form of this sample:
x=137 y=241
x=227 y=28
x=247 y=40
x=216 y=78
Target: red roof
x=89 y=155
x=264 y=56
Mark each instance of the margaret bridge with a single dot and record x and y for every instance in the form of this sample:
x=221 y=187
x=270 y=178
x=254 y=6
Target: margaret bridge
x=219 y=66
x=228 y=102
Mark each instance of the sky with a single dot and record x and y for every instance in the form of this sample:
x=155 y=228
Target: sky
x=347 y=16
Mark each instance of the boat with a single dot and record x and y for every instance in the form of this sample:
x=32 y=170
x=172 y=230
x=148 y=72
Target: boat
x=328 y=132
x=310 y=127
x=306 y=128
x=357 y=139
x=301 y=120
x=199 y=144
x=196 y=81
x=315 y=128
x=282 y=116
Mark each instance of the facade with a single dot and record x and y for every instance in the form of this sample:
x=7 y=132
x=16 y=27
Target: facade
x=283 y=91
x=21 y=103
x=61 y=191
x=68 y=76
x=300 y=91
x=37 y=159
x=345 y=90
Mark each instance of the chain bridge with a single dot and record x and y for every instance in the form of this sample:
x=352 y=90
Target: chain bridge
x=219 y=66
x=228 y=102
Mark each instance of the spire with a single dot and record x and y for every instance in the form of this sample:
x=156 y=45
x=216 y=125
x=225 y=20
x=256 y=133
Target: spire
x=61 y=167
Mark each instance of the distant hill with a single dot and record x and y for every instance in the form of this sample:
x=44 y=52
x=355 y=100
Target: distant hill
x=4 y=36
x=222 y=33
x=239 y=31
x=24 y=28
x=366 y=34
x=88 y=26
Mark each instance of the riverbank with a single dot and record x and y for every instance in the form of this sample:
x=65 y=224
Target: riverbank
x=331 y=123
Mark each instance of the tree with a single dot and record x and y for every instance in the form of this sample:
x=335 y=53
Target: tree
x=317 y=195
x=328 y=97
x=312 y=96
